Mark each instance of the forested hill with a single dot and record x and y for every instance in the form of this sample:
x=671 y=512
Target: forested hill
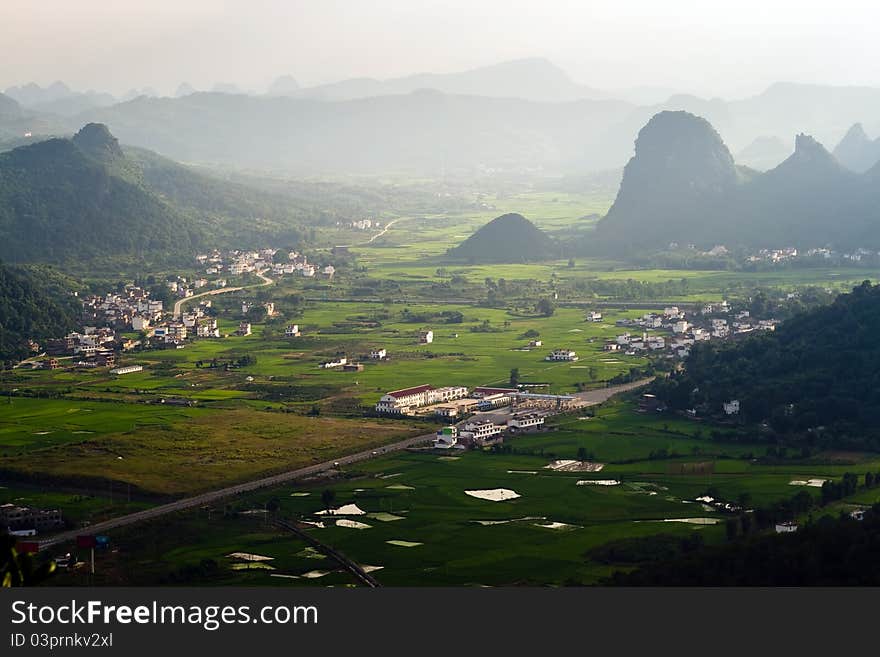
x=35 y=303
x=815 y=379
x=508 y=238
x=76 y=199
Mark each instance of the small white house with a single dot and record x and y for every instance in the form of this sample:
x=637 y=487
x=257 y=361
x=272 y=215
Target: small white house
x=446 y=438
x=526 y=421
x=731 y=407
x=426 y=337
x=562 y=355
x=594 y=316
x=786 y=527
x=378 y=354
x=292 y=331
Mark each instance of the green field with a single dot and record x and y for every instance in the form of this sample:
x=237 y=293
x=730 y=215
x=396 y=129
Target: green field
x=419 y=498
x=171 y=452
x=98 y=445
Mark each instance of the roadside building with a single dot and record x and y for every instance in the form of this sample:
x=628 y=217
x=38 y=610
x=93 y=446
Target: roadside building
x=525 y=422
x=562 y=355
x=446 y=438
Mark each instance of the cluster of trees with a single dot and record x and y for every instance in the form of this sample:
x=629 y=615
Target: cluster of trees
x=627 y=289
x=36 y=303
x=427 y=317
x=232 y=363
x=829 y=552
x=670 y=564
x=813 y=381
x=836 y=490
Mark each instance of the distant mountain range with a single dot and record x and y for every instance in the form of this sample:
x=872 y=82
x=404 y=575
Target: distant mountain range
x=764 y=153
x=524 y=116
x=508 y=238
x=425 y=131
x=857 y=151
x=527 y=79
x=682 y=185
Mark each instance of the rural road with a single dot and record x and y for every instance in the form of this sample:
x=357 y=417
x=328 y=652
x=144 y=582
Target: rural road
x=178 y=305
x=592 y=397
x=374 y=237
x=213 y=496
x=621 y=305
x=384 y=230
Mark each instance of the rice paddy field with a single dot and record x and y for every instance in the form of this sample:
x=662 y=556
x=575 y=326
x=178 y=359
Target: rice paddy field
x=431 y=518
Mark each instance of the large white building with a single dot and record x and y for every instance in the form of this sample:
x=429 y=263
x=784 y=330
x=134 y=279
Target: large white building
x=402 y=402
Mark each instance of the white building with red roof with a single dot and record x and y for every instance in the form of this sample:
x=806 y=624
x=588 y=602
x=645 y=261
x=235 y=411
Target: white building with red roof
x=402 y=402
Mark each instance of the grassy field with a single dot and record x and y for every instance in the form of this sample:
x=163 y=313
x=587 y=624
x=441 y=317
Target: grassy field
x=462 y=353
x=175 y=451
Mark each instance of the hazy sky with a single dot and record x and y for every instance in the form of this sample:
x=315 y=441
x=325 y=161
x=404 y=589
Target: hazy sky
x=706 y=46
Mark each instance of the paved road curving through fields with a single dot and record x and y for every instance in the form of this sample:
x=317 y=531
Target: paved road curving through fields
x=178 y=305
x=591 y=397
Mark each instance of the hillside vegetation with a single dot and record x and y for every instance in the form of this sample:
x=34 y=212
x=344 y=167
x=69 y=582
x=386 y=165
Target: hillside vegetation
x=79 y=198
x=35 y=303
x=815 y=380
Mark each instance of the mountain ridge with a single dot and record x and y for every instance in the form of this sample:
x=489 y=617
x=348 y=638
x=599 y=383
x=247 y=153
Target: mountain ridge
x=682 y=185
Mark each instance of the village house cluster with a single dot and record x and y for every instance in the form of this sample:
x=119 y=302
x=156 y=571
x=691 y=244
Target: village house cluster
x=93 y=347
x=477 y=433
x=126 y=310
x=360 y=224
x=239 y=262
x=683 y=329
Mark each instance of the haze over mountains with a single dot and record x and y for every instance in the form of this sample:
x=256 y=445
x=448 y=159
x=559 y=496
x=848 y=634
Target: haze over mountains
x=857 y=151
x=523 y=115
x=683 y=186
